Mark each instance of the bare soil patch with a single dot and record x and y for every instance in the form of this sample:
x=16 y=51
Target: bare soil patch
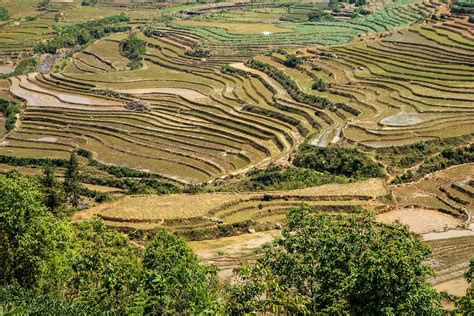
x=420 y=220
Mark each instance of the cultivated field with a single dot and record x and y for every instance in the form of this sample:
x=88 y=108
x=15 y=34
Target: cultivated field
x=212 y=215
x=228 y=89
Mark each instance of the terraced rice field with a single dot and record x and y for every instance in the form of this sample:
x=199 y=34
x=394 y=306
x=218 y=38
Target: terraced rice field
x=413 y=85
x=220 y=37
x=450 y=259
x=449 y=191
x=204 y=215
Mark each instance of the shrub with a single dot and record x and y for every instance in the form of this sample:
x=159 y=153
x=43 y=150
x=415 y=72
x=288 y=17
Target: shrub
x=133 y=48
x=277 y=178
x=4 y=16
x=471 y=19
x=82 y=33
x=349 y=162
x=292 y=61
x=10 y=110
x=319 y=85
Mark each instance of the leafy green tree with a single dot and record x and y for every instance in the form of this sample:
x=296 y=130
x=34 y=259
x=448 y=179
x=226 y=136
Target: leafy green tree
x=53 y=191
x=349 y=162
x=465 y=304
x=292 y=61
x=72 y=184
x=319 y=85
x=106 y=267
x=174 y=280
x=33 y=242
x=133 y=48
x=343 y=264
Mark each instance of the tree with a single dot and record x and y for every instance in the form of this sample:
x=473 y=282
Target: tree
x=465 y=305
x=33 y=242
x=319 y=85
x=175 y=281
x=72 y=185
x=107 y=267
x=133 y=48
x=337 y=265
x=292 y=61
x=53 y=191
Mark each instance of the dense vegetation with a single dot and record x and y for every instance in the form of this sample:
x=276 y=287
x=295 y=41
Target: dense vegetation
x=4 y=16
x=277 y=178
x=133 y=48
x=463 y=7
x=344 y=264
x=87 y=267
x=465 y=304
x=349 y=162
x=83 y=33
x=448 y=157
x=10 y=111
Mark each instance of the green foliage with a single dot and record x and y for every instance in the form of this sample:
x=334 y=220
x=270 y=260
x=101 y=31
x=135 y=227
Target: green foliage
x=319 y=15
x=133 y=48
x=106 y=267
x=174 y=279
x=471 y=19
x=277 y=178
x=52 y=267
x=83 y=33
x=292 y=61
x=10 y=110
x=343 y=264
x=89 y=3
x=319 y=85
x=72 y=184
x=15 y=300
x=55 y=198
x=4 y=16
x=465 y=305
x=24 y=67
x=448 y=157
x=349 y=162
x=33 y=242
x=463 y=8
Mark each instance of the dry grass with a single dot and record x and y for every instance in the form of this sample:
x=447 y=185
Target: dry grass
x=181 y=206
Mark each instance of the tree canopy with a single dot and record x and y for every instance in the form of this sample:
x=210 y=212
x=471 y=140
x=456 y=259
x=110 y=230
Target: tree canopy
x=338 y=264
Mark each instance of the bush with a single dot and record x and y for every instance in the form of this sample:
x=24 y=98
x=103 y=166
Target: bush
x=10 y=110
x=82 y=33
x=4 y=16
x=471 y=19
x=277 y=178
x=349 y=162
x=292 y=61
x=317 y=16
x=133 y=48
x=319 y=85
